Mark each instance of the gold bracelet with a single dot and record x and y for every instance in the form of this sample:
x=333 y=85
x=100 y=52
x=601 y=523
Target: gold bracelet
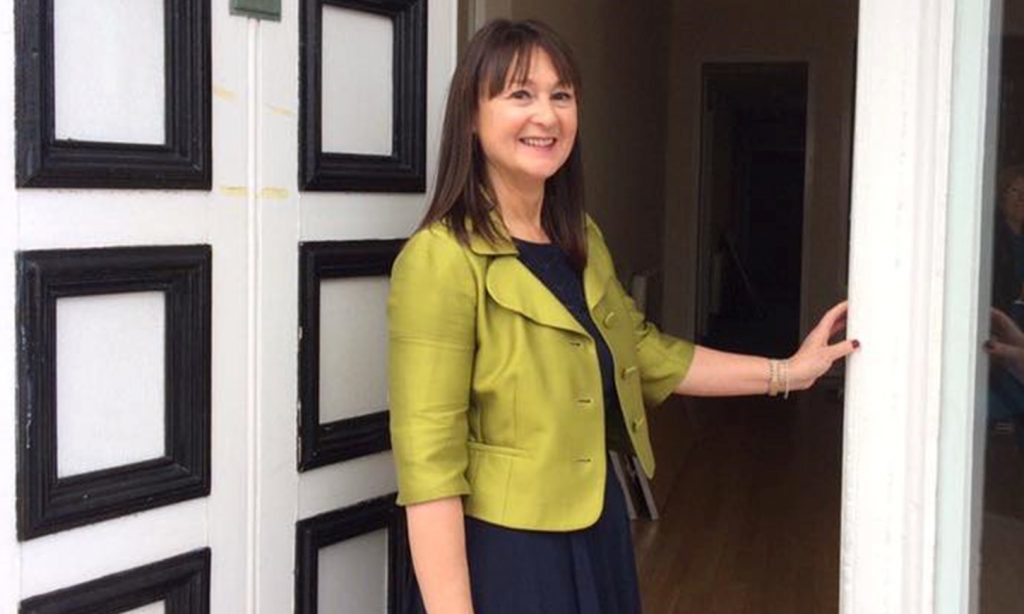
x=785 y=378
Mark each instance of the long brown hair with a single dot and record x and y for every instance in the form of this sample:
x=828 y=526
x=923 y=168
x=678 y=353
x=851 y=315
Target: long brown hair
x=499 y=53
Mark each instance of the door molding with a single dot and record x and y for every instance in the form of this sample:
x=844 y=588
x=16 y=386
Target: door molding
x=182 y=162
x=897 y=256
x=975 y=109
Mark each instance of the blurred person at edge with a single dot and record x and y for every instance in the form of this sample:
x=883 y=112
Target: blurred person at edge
x=517 y=359
x=1006 y=343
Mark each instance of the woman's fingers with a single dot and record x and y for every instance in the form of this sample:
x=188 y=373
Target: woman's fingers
x=816 y=355
x=836 y=313
x=1003 y=352
x=843 y=349
x=838 y=310
x=832 y=323
x=1004 y=326
x=837 y=327
x=1001 y=321
x=826 y=327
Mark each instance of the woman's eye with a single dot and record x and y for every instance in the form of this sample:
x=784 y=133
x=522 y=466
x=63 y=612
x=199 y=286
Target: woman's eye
x=562 y=96
x=520 y=95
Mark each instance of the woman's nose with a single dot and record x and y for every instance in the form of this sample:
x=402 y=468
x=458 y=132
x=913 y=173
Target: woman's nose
x=544 y=113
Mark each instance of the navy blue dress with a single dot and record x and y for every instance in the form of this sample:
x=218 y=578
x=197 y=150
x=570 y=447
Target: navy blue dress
x=589 y=571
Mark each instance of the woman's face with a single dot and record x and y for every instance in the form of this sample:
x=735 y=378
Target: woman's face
x=1013 y=200
x=1013 y=204
x=527 y=131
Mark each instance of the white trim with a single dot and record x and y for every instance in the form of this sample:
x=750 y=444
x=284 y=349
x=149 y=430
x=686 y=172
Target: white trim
x=253 y=339
x=901 y=147
x=970 y=211
x=103 y=548
x=10 y=550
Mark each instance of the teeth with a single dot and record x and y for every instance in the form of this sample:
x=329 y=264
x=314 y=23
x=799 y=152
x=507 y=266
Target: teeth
x=538 y=142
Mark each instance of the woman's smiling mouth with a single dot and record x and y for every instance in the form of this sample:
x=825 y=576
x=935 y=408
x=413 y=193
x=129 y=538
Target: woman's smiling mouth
x=540 y=142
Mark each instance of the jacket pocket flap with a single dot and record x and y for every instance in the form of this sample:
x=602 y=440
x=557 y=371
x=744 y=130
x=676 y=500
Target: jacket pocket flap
x=486 y=448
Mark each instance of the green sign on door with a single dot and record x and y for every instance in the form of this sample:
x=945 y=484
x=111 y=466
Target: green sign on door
x=260 y=9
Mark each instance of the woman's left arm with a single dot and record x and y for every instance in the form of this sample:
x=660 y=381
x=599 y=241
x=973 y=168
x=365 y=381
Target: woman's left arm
x=716 y=373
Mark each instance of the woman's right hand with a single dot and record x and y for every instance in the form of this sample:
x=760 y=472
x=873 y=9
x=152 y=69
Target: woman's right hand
x=1006 y=344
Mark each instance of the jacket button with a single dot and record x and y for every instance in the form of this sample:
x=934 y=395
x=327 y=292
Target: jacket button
x=627 y=372
x=609 y=320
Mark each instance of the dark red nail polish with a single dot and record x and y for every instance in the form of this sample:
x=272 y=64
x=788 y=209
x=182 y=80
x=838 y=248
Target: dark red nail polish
x=989 y=345
x=856 y=344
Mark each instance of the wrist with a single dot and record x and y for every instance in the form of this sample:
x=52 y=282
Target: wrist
x=799 y=376
x=780 y=378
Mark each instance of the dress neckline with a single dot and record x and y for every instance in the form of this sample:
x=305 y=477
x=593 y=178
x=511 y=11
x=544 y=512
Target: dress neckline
x=533 y=243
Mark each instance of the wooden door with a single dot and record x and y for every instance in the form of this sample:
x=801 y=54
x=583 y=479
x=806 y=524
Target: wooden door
x=197 y=222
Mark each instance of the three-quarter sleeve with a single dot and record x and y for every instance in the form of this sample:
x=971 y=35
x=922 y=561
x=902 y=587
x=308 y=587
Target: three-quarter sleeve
x=663 y=360
x=431 y=331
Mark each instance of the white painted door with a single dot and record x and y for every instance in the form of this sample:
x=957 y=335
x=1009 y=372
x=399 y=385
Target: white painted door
x=933 y=510
x=196 y=225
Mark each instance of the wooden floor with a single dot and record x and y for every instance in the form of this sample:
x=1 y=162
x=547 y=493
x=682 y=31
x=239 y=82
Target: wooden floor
x=751 y=521
x=1002 y=529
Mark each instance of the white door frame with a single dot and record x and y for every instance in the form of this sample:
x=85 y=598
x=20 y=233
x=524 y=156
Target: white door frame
x=898 y=223
x=920 y=165
x=967 y=298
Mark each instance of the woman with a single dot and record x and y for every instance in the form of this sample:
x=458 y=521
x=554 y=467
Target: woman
x=517 y=358
x=1006 y=343
x=1008 y=251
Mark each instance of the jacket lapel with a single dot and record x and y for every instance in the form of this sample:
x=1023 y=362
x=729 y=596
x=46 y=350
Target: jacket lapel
x=514 y=287
x=599 y=271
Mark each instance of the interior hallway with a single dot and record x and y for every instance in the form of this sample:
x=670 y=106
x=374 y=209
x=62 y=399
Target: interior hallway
x=751 y=520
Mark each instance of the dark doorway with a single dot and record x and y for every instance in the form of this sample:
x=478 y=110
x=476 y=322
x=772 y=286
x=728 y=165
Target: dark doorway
x=753 y=151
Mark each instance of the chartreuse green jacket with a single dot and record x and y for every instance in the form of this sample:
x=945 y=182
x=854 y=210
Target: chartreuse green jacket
x=495 y=388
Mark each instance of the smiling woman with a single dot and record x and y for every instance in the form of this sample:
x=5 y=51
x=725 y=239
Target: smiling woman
x=517 y=359
x=514 y=83
x=528 y=131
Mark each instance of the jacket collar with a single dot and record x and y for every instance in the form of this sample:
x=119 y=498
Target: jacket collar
x=595 y=276
x=481 y=246
x=513 y=286
x=505 y=246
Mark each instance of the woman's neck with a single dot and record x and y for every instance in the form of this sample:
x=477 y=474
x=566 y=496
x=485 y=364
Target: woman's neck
x=520 y=206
